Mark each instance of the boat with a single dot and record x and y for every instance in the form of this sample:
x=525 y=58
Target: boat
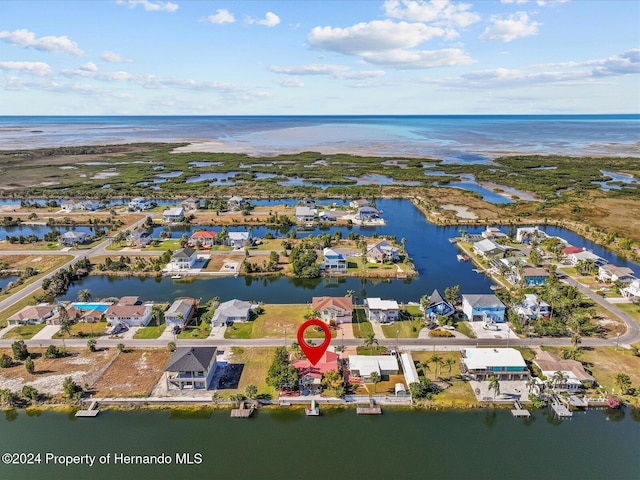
x=176 y=277
x=313 y=410
x=462 y=258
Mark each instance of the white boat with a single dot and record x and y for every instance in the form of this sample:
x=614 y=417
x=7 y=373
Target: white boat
x=176 y=277
x=313 y=410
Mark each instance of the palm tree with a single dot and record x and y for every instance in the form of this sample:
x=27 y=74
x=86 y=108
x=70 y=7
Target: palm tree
x=494 y=384
x=437 y=361
x=623 y=382
x=532 y=384
x=374 y=377
x=297 y=350
x=449 y=363
x=84 y=295
x=370 y=339
x=558 y=378
x=424 y=367
x=575 y=340
x=65 y=323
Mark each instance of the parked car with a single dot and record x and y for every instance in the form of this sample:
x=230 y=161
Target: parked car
x=491 y=326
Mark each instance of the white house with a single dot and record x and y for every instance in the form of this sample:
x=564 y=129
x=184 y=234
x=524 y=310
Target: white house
x=175 y=214
x=236 y=203
x=203 y=238
x=362 y=366
x=632 y=290
x=574 y=377
x=305 y=214
x=180 y=312
x=367 y=213
x=238 y=239
x=232 y=311
x=488 y=249
x=383 y=311
x=526 y=234
x=71 y=205
x=504 y=363
x=333 y=309
x=140 y=203
x=487 y=308
x=360 y=203
x=71 y=238
x=613 y=273
x=381 y=252
x=183 y=259
x=130 y=315
x=191 y=368
x=584 y=255
x=334 y=262
x=493 y=232
x=532 y=308
x=307 y=202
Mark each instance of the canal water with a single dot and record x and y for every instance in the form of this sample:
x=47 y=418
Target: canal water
x=284 y=444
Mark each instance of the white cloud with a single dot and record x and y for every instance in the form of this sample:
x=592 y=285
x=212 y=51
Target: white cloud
x=290 y=83
x=221 y=17
x=113 y=57
x=150 y=5
x=439 y=12
x=419 y=59
x=335 y=71
x=270 y=20
x=89 y=67
x=39 y=69
x=25 y=38
x=540 y=3
x=627 y=63
x=517 y=25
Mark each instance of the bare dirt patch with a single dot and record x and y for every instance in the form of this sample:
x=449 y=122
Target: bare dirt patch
x=132 y=374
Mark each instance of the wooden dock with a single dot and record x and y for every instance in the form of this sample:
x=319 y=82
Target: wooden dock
x=92 y=411
x=243 y=412
x=559 y=409
x=370 y=410
x=518 y=411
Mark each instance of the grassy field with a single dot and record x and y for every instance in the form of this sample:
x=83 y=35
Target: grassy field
x=403 y=329
x=459 y=393
x=361 y=326
x=23 y=332
x=84 y=330
x=273 y=322
x=630 y=309
x=196 y=331
x=372 y=350
x=256 y=363
x=43 y=263
x=465 y=329
x=150 y=332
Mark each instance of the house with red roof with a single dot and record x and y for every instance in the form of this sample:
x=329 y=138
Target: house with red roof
x=570 y=250
x=311 y=375
x=203 y=238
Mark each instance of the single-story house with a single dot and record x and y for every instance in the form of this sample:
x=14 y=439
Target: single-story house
x=180 y=312
x=130 y=315
x=175 y=214
x=327 y=216
x=493 y=232
x=438 y=306
x=613 y=273
x=632 y=290
x=140 y=203
x=334 y=262
x=382 y=252
x=32 y=314
x=366 y=213
x=486 y=307
x=305 y=214
x=191 y=368
x=584 y=255
x=129 y=300
x=360 y=203
x=183 y=259
x=383 y=311
x=71 y=205
x=311 y=375
x=71 y=238
x=575 y=376
x=526 y=234
x=232 y=311
x=362 y=366
x=236 y=203
x=203 y=238
x=534 y=276
x=532 y=308
x=488 y=249
x=87 y=312
x=238 y=239
x=190 y=203
x=504 y=363
x=333 y=309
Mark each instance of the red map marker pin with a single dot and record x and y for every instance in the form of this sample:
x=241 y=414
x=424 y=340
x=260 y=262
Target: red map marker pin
x=314 y=353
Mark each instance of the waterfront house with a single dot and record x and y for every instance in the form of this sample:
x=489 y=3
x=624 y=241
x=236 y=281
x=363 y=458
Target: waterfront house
x=504 y=363
x=87 y=312
x=613 y=273
x=180 y=312
x=236 y=203
x=71 y=205
x=438 y=306
x=533 y=308
x=333 y=310
x=307 y=202
x=488 y=249
x=527 y=234
x=327 y=216
x=359 y=203
x=191 y=368
x=368 y=213
x=140 y=203
x=130 y=315
x=382 y=252
x=140 y=238
x=232 y=311
x=32 y=314
x=632 y=290
x=383 y=311
x=493 y=232
x=486 y=307
x=203 y=238
x=305 y=215
x=334 y=261
x=183 y=259
x=585 y=255
x=574 y=377
x=238 y=239
x=190 y=204
x=71 y=238
x=570 y=250
x=311 y=374
x=362 y=366
x=172 y=215
x=532 y=276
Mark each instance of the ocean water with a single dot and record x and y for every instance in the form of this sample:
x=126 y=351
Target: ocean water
x=454 y=138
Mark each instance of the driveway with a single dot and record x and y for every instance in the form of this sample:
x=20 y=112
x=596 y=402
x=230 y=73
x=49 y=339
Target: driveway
x=503 y=333
x=46 y=333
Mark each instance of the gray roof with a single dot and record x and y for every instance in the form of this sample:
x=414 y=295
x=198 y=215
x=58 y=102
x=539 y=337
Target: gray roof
x=232 y=308
x=183 y=253
x=181 y=305
x=487 y=246
x=74 y=235
x=238 y=235
x=306 y=211
x=485 y=300
x=190 y=359
x=435 y=298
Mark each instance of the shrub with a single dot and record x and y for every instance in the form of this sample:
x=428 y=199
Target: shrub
x=6 y=361
x=440 y=333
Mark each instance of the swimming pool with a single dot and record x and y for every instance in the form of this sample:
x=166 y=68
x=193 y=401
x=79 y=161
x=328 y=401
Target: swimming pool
x=102 y=307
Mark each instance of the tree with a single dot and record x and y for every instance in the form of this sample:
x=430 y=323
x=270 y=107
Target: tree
x=20 y=351
x=171 y=347
x=374 y=378
x=91 y=344
x=65 y=323
x=370 y=339
x=296 y=349
x=52 y=352
x=452 y=294
x=30 y=393
x=623 y=382
x=70 y=389
x=84 y=295
x=6 y=361
x=437 y=361
x=558 y=378
x=332 y=379
x=29 y=365
x=532 y=384
x=424 y=368
x=121 y=348
x=576 y=340
x=449 y=363
x=535 y=258
x=251 y=391
x=494 y=384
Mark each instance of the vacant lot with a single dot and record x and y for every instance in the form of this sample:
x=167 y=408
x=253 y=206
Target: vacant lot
x=458 y=392
x=256 y=363
x=81 y=365
x=23 y=332
x=132 y=374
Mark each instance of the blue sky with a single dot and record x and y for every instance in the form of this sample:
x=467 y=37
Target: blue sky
x=152 y=57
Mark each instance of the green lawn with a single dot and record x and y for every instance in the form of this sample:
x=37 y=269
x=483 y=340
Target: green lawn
x=403 y=329
x=165 y=245
x=256 y=363
x=459 y=392
x=23 y=332
x=630 y=309
x=372 y=350
x=361 y=326
x=83 y=330
x=465 y=329
x=239 y=330
x=150 y=332
x=195 y=331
